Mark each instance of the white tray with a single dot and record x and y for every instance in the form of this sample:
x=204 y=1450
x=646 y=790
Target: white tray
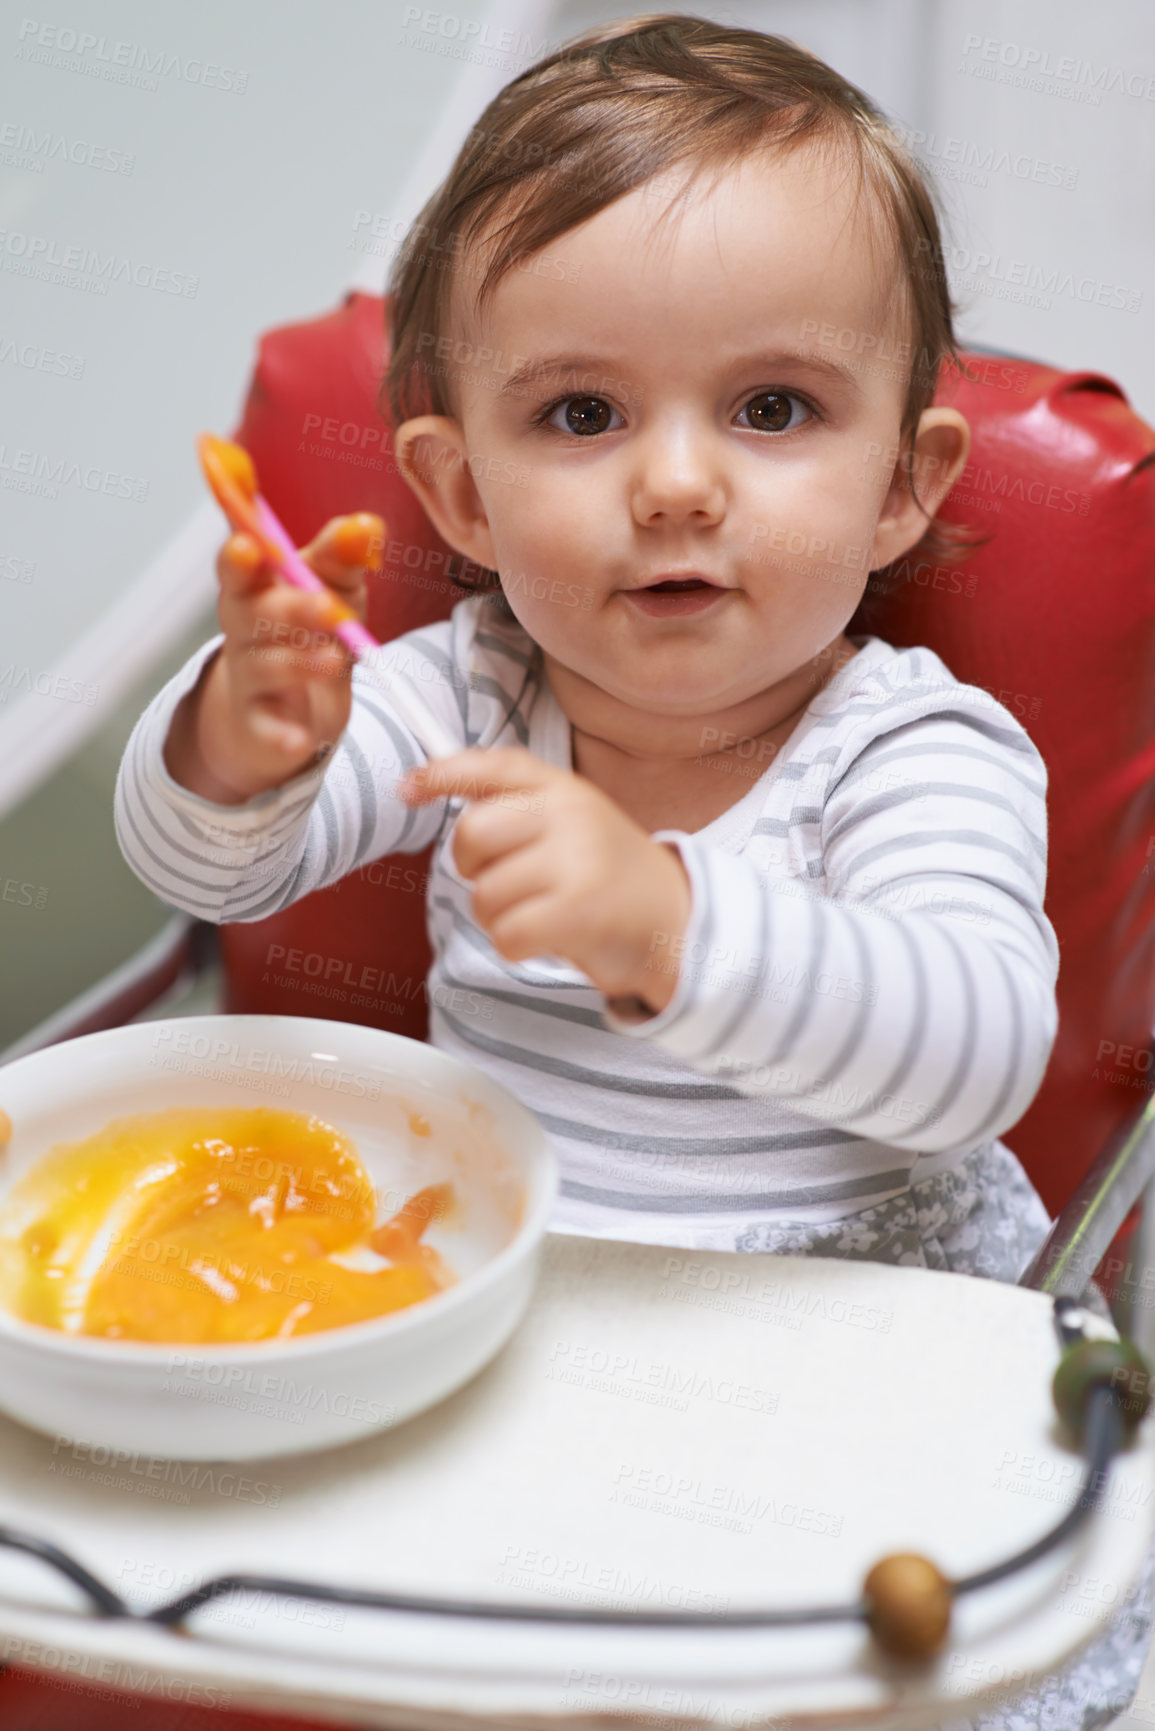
x=667 y=1428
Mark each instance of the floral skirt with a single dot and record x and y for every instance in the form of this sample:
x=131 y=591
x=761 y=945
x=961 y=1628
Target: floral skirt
x=985 y=1217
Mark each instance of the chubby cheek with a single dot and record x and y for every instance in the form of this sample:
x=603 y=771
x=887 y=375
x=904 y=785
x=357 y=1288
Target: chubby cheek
x=800 y=608
x=815 y=575
x=559 y=614
x=553 y=566
x=812 y=544
x=560 y=520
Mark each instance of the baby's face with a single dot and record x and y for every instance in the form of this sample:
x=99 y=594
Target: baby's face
x=692 y=415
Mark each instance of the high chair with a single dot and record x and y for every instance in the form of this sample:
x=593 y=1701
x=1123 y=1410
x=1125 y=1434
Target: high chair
x=1054 y=616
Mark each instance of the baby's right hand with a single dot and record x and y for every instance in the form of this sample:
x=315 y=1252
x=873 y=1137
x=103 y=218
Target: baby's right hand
x=279 y=689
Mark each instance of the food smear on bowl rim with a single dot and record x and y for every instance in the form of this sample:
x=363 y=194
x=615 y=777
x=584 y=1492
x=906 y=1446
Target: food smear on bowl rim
x=213 y=1225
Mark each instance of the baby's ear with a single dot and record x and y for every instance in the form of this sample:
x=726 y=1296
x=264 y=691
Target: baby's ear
x=432 y=456
x=929 y=468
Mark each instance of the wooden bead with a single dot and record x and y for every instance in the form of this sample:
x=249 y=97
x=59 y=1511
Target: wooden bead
x=909 y=1605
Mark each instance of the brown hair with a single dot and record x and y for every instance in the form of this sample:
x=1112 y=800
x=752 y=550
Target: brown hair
x=604 y=113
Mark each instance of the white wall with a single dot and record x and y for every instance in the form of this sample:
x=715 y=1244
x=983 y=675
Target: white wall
x=1091 y=129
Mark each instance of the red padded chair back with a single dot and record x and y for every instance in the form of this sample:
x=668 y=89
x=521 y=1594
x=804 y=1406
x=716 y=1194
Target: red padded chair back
x=1055 y=617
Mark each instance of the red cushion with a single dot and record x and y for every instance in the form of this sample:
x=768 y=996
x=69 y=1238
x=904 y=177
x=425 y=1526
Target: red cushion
x=37 y=1701
x=1055 y=617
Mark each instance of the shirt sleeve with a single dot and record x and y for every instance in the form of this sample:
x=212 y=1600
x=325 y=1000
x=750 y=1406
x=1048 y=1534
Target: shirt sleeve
x=237 y=863
x=911 y=1000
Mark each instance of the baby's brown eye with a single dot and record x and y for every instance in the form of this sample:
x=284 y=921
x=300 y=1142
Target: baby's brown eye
x=585 y=414
x=771 y=411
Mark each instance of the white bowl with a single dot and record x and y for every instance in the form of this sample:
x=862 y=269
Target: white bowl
x=259 y=1399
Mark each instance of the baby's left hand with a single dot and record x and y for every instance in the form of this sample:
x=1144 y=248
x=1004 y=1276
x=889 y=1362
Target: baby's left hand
x=559 y=869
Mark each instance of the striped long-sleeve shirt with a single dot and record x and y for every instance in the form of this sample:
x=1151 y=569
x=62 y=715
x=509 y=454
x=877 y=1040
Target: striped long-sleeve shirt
x=865 y=989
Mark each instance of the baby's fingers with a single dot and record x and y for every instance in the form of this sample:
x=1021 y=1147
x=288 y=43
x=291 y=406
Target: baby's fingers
x=345 y=548
x=284 y=632
x=340 y=555
x=478 y=773
x=241 y=567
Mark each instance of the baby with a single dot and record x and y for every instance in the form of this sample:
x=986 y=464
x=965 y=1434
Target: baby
x=749 y=909
x=752 y=909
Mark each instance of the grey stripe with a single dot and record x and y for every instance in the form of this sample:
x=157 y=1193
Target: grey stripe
x=703 y=1089
x=782 y=826
x=854 y=1039
x=136 y=803
x=453 y=676
x=799 y=767
x=191 y=828
x=283 y=895
x=1004 y=735
x=835 y=718
x=286 y=817
x=366 y=793
x=806 y=1006
x=867 y=808
x=973 y=837
x=332 y=823
x=743 y=1004
x=1028 y=905
x=408 y=757
x=143 y=850
x=918 y=1022
x=695 y=1147
x=536 y=1006
x=478 y=942
x=921 y=748
x=409 y=754
x=190 y=902
x=865 y=1190
x=490 y=688
x=489 y=641
x=966 y=1045
x=1012 y=741
x=1015 y=1057
x=476 y=939
x=317 y=865
x=194 y=826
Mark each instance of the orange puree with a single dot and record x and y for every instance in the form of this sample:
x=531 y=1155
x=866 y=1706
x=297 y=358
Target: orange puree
x=211 y=1224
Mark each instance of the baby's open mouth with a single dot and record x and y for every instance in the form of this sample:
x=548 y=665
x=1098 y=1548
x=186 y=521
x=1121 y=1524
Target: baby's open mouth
x=674 y=596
